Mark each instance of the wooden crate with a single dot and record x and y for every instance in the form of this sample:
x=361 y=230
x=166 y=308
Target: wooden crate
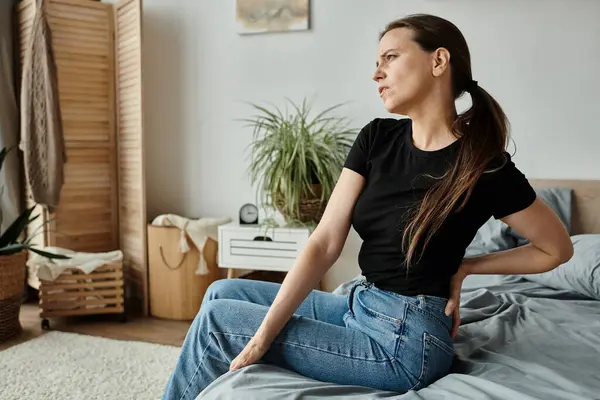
x=76 y=293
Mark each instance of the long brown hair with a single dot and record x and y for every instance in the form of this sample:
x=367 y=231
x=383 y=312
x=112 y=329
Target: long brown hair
x=482 y=130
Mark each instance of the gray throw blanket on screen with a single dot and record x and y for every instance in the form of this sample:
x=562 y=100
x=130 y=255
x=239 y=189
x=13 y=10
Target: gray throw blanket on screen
x=42 y=139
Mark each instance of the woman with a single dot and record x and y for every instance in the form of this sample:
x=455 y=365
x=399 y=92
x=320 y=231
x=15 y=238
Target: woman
x=416 y=190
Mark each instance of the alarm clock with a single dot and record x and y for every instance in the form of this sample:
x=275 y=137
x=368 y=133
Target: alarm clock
x=248 y=214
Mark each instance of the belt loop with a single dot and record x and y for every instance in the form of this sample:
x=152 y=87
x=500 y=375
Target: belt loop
x=421 y=301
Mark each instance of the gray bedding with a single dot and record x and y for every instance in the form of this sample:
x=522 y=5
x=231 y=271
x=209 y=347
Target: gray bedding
x=518 y=340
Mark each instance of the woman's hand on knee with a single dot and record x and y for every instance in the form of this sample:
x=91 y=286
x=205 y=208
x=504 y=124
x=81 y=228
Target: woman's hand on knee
x=252 y=353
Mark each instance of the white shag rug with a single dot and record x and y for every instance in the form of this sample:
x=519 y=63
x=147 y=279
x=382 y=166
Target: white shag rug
x=63 y=366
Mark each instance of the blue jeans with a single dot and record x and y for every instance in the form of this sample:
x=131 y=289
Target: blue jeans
x=371 y=337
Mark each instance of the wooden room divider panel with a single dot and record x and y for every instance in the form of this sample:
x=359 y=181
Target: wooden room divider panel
x=132 y=193
x=97 y=47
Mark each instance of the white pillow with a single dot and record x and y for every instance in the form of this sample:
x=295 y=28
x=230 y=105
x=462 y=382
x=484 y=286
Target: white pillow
x=581 y=274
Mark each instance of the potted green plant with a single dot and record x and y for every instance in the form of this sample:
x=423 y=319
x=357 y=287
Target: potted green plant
x=13 y=256
x=296 y=158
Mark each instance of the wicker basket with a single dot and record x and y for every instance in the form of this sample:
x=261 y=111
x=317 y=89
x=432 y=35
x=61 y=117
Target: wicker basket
x=311 y=207
x=12 y=285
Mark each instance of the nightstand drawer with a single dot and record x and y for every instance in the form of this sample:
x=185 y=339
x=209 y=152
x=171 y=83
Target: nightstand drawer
x=258 y=248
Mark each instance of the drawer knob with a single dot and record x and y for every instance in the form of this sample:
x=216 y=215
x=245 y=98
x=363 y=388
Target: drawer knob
x=262 y=239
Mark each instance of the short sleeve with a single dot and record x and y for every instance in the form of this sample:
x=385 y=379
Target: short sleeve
x=509 y=190
x=359 y=152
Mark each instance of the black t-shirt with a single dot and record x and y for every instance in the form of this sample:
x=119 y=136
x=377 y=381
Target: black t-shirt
x=395 y=172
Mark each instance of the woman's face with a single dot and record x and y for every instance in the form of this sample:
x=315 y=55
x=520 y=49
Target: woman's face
x=404 y=71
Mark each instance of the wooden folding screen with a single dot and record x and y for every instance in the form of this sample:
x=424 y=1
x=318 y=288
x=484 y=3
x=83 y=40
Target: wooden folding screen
x=97 y=48
x=131 y=191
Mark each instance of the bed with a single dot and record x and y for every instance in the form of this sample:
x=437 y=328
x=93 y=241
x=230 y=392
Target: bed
x=521 y=337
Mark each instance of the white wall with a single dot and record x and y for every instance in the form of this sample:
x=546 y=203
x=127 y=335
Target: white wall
x=538 y=58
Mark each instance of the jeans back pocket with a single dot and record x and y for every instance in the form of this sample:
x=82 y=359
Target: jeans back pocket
x=381 y=318
x=436 y=360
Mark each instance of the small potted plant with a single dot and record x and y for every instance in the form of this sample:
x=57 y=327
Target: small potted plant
x=13 y=257
x=296 y=158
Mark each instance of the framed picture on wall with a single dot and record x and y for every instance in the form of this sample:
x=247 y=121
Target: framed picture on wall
x=264 y=16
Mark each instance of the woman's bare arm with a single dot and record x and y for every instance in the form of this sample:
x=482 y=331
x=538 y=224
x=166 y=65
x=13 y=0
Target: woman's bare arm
x=549 y=245
x=322 y=249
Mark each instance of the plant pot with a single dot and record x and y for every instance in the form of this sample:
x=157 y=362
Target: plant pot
x=12 y=285
x=311 y=207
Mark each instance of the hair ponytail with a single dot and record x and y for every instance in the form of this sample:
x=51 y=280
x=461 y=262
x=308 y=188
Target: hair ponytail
x=482 y=130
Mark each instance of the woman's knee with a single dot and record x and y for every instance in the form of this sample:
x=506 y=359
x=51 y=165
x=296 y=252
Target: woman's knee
x=213 y=290
x=222 y=289
x=211 y=314
x=218 y=314
x=212 y=308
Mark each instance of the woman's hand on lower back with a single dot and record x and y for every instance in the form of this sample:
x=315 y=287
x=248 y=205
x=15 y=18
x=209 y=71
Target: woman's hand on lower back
x=453 y=305
x=252 y=353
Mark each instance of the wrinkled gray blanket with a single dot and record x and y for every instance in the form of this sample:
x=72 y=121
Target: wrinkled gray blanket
x=518 y=340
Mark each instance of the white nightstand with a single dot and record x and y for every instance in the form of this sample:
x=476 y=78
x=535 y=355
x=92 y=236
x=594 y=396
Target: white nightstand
x=259 y=248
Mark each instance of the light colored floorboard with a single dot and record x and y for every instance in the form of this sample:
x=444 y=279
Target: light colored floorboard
x=136 y=328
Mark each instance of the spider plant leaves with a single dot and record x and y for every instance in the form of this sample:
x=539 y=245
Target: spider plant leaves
x=12 y=233
x=12 y=249
x=3 y=153
x=292 y=151
x=9 y=239
x=18 y=247
x=48 y=255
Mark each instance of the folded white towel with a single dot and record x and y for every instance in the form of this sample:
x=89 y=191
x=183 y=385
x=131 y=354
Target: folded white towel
x=198 y=231
x=50 y=269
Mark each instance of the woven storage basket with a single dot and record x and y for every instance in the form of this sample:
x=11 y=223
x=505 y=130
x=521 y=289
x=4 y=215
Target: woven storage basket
x=12 y=284
x=176 y=291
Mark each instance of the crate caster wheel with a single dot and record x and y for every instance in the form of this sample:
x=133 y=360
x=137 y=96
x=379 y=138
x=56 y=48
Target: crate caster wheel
x=45 y=324
x=122 y=317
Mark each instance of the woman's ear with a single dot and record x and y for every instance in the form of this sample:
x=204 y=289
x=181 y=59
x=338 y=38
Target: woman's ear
x=440 y=61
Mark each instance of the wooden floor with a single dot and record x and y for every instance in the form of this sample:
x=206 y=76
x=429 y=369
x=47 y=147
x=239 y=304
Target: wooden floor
x=136 y=328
